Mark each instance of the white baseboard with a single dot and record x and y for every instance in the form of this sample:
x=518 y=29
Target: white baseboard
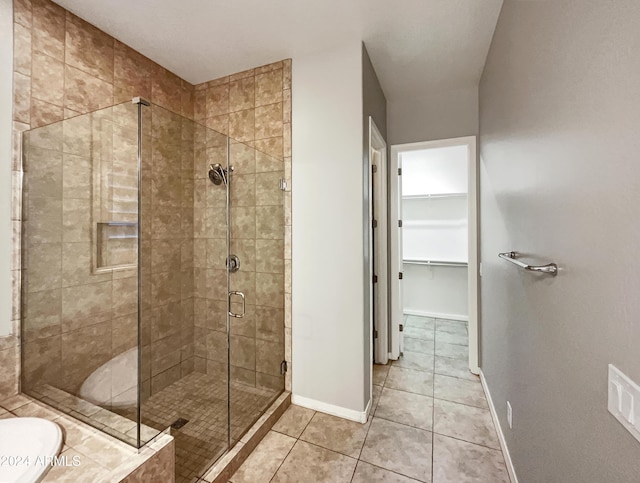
x=496 y=421
x=436 y=315
x=339 y=411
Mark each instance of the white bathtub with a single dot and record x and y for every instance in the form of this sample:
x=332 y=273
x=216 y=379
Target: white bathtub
x=27 y=446
x=114 y=383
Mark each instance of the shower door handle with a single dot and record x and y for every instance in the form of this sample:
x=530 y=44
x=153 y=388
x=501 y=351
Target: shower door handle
x=241 y=295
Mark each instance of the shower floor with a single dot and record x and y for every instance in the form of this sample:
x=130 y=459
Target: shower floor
x=201 y=399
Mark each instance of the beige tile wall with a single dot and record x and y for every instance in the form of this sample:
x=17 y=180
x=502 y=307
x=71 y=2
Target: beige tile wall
x=64 y=67
x=253 y=107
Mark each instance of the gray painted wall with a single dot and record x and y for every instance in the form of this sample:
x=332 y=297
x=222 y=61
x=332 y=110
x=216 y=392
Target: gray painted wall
x=374 y=104
x=560 y=178
x=439 y=115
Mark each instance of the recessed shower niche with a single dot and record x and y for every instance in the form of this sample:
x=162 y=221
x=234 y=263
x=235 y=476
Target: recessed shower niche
x=132 y=317
x=116 y=245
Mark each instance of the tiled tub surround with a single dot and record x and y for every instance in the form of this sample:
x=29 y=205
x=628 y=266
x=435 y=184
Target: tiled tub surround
x=429 y=422
x=102 y=459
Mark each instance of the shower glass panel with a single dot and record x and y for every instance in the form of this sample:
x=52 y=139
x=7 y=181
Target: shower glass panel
x=205 y=373
x=256 y=340
x=184 y=288
x=153 y=278
x=79 y=268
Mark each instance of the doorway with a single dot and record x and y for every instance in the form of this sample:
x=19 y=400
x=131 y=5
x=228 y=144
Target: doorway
x=379 y=260
x=433 y=245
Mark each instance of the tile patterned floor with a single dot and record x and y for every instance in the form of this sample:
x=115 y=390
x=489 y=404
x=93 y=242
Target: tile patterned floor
x=429 y=423
x=202 y=400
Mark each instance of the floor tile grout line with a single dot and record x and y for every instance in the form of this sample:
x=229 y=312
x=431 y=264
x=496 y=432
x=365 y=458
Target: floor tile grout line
x=371 y=416
x=433 y=431
x=308 y=423
x=386 y=376
x=293 y=445
x=434 y=372
x=392 y=471
x=460 y=403
x=409 y=392
x=428 y=354
x=438 y=398
x=282 y=462
x=328 y=449
x=466 y=441
x=405 y=424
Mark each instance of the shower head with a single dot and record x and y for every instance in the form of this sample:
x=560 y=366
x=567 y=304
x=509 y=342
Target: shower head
x=217 y=174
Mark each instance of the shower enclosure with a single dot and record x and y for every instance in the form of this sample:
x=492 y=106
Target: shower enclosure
x=153 y=285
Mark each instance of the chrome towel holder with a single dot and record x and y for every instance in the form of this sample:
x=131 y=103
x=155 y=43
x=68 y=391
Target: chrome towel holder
x=550 y=268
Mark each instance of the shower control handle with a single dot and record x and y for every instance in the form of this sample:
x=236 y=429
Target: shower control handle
x=241 y=295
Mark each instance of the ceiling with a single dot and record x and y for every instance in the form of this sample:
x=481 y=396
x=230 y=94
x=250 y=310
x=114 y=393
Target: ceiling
x=416 y=46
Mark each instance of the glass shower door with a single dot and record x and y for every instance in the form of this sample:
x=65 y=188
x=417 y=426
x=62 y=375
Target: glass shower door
x=256 y=285
x=184 y=287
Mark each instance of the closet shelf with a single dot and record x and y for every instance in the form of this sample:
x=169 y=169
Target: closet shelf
x=434 y=223
x=434 y=196
x=442 y=263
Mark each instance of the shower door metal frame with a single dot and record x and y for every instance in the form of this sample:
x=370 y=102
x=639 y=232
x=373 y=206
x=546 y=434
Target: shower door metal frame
x=227 y=267
x=140 y=103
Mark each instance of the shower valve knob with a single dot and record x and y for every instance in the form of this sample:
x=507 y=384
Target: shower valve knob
x=233 y=263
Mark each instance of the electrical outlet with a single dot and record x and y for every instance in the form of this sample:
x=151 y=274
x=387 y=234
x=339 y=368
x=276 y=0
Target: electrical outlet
x=624 y=395
x=509 y=415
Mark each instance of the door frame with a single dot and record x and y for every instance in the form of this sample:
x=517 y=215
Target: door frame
x=395 y=252
x=472 y=213
x=378 y=245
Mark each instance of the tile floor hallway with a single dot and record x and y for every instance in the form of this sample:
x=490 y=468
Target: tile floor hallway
x=430 y=423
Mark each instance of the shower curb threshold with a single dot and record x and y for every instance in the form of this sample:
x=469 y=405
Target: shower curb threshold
x=228 y=464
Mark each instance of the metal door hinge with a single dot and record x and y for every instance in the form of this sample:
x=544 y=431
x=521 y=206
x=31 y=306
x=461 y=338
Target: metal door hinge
x=399 y=171
x=401 y=328
x=374 y=223
x=399 y=223
x=374 y=168
x=283 y=367
x=400 y=275
x=375 y=279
